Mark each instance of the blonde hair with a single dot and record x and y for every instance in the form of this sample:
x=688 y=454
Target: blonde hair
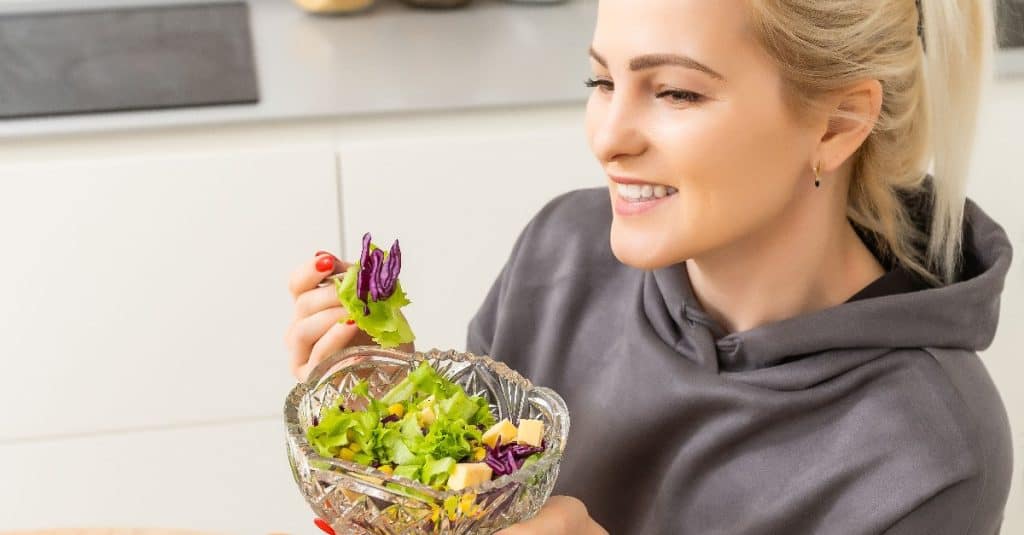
x=929 y=106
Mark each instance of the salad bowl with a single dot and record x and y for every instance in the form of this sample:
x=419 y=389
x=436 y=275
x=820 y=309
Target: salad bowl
x=357 y=498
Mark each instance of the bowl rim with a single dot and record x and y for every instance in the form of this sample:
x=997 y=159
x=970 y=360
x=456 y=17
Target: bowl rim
x=371 y=475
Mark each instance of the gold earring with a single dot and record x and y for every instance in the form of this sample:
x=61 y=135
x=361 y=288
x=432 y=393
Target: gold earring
x=817 y=176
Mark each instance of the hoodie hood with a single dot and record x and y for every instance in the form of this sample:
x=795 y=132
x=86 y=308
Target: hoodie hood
x=962 y=315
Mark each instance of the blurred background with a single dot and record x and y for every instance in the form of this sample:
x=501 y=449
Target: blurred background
x=163 y=167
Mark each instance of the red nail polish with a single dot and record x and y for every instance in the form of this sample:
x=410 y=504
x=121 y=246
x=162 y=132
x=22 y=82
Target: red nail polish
x=350 y=322
x=325 y=263
x=322 y=524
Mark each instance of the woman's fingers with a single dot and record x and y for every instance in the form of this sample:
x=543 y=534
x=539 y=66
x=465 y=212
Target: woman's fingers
x=315 y=300
x=338 y=337
x=561 y=515
x=304 y=333
x=307 y=276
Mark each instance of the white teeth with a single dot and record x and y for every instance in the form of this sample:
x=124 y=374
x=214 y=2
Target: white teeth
x=645 y=192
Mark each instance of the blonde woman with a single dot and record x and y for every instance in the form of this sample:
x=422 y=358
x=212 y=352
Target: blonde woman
x=780 y=335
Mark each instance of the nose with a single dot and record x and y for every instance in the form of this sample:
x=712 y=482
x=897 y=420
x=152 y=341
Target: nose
x=617 y=133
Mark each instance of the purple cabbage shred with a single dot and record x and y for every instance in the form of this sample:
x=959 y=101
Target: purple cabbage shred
x=377 y=277
x=505 y=459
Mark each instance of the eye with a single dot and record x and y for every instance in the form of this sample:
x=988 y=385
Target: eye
x=605 y=85
x=680 y=96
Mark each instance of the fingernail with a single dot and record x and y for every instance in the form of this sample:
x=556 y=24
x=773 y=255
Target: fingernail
x=318 y=253
x=350 y=322
x=323 y=525
x=325 y=263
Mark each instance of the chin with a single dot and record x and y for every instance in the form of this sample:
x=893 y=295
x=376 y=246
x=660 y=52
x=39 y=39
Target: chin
x=642 y=250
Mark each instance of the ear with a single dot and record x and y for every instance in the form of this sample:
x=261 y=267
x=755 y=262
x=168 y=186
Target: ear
x=855 y=110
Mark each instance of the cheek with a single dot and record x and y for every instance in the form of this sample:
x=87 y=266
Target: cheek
x=735 y=169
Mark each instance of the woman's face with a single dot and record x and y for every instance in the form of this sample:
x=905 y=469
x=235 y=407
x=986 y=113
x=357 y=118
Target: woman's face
x=687 y=102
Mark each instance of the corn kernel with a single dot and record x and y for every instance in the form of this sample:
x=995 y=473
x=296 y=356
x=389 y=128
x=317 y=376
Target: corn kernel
x=387 y=469
x=355 y=448
x=479 y=454
x=466 y=503
x=397 y=410
x=347 y=454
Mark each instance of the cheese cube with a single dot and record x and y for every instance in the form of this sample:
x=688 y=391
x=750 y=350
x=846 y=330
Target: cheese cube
x=427 y=416
x=530 y=432
x=503 y=430
x=468 y=475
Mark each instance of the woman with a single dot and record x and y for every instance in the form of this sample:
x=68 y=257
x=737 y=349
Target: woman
x=781 y=335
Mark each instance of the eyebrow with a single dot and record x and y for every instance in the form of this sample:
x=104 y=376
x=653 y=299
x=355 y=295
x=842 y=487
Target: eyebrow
x=650 y=61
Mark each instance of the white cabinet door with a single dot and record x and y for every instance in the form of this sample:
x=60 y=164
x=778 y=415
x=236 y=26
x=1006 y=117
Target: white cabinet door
x=147 y=292
x=231 y=478
x=457 y=204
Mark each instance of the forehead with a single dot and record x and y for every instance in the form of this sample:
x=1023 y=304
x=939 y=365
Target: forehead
x=701 y=27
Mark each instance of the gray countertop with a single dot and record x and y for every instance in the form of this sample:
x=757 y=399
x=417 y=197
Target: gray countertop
x=392 y=59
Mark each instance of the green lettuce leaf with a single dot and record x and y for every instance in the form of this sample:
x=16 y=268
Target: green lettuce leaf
x=385 y=322
x=435 y=472
x=425 y=450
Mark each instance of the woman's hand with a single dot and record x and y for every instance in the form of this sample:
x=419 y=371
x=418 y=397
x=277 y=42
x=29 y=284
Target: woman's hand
x=319 y=329
x=560 y=515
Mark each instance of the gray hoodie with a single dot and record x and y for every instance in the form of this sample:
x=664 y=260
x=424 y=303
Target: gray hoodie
x=872 y=416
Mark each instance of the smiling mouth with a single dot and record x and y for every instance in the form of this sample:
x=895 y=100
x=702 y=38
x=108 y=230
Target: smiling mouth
x=644 y=192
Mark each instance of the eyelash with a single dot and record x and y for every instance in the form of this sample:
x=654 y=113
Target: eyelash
x=678 y=95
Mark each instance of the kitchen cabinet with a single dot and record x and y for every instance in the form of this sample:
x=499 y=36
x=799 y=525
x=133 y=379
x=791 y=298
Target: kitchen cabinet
x=212 y=479
x=145 y=292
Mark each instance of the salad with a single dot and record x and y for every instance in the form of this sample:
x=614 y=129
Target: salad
x=427 y=429
x=373 y=297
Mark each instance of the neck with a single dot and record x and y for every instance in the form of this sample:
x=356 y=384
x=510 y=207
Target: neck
x=808 y=259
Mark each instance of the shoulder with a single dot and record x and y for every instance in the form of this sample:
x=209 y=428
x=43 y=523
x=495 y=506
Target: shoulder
x=974 y=402
x=580 y=215
x=559 y=259
x=951 y=417
x=949 y=390
x=571 y=232
x=983 y=422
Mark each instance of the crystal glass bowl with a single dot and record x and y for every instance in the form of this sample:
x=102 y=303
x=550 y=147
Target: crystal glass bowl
x=354 y=498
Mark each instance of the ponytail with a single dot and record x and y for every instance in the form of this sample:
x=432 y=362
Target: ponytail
x=958 y=35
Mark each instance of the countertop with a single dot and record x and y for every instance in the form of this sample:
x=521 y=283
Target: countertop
x=391 y=59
